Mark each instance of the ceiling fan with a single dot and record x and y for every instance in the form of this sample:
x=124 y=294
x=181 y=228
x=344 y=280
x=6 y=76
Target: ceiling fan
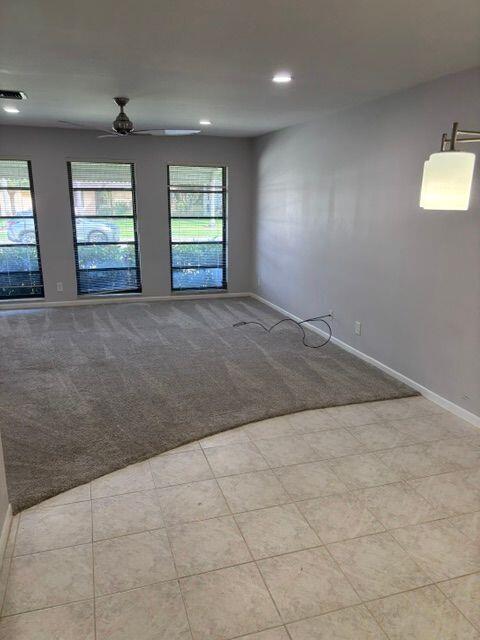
x=122 y=126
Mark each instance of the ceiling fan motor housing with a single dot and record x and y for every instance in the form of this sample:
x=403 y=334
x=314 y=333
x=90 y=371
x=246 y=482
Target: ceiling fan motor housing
x=122 y=123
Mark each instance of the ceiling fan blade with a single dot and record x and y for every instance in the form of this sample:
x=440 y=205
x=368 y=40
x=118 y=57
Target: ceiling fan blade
x=111 y=135
x=166 y=132
x=149 y=132
x=181 y=132
x=83 y=126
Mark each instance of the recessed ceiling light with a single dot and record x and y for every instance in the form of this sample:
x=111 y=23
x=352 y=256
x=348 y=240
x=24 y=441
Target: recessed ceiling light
x=282 y=78
x=206 y=123
x=11 y=109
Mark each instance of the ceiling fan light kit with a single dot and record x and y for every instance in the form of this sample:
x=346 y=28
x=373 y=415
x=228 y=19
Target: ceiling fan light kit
x=447 y=175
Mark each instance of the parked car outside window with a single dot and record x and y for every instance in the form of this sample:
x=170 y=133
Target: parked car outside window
x=22 y=231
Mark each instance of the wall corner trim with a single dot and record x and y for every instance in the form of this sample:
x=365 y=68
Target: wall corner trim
x=427 y=393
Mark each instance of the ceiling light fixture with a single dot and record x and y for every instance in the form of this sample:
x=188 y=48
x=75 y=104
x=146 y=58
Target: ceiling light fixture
x=205 y=123
x=11 y=109
x=447 y=175
x=282 y=77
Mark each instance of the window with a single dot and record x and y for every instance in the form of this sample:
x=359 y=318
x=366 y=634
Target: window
x=197 y=207
x=104 y=227
x=20 y=267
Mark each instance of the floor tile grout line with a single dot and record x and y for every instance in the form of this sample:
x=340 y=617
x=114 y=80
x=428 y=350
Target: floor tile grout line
x=340 y=569
x=430 y=585
x=179 y=584
x=93 y=577
x=229 y=515
x=379 y=622
x=358 y=605
x=475 y=625
x=362 y=601
x=434 y=506
x=420 y=567
x=285 y=553
x=278 y=555
x=253 y=560
x=251 y=554
x=14 y=542
x=375 y=454
x=41 y=507
x=391 y=422
x=70 y=546
x=4 y=595
x=52 y=606
x=317 y=497
x=273 y=467
x=274 y=628
x=350 y=492
x=464 y=615
x=422 y=414
x=265 y=583
x=37 y=553
x=470 y=513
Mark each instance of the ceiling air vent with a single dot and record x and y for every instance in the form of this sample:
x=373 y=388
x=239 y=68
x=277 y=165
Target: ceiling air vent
x=8 y=94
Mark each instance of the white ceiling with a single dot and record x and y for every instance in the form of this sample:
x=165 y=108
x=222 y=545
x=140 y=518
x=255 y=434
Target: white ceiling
x=183 y=60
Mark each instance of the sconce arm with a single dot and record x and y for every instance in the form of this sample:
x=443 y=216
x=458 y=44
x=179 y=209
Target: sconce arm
x=457 y=136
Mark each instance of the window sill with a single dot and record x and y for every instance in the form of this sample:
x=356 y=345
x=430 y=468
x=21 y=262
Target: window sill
x=191 y=292
x=109 y=296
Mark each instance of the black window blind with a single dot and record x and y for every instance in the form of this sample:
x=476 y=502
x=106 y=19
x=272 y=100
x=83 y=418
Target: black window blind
x=104 y=227
x=198 y=234
x=20 y=265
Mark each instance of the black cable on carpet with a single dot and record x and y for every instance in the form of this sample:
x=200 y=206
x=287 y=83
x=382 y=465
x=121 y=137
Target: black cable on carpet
x=299 y=325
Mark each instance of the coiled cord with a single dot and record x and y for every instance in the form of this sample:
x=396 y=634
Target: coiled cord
x=299 y=325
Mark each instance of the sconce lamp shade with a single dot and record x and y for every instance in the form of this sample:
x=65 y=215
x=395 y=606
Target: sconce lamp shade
x=447 y=181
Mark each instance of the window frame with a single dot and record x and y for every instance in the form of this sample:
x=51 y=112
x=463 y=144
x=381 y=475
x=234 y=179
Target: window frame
x=133 y=217
x=224 y=191
x=37 y=239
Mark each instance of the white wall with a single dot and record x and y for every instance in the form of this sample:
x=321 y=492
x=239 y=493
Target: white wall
x=338 y=227
x=49 y=150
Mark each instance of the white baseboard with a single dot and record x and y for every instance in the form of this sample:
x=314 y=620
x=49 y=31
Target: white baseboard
x=430 y=395
x=7 y=523
x=114 y=299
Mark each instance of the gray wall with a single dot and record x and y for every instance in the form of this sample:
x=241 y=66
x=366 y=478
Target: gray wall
x=49 y=149
x=339 y=227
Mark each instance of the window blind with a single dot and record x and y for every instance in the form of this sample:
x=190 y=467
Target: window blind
x=104 y=227
x=20 y=265
x=198 y=240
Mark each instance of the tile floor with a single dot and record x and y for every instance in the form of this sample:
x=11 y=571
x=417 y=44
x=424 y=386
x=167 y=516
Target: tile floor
x=352 y=523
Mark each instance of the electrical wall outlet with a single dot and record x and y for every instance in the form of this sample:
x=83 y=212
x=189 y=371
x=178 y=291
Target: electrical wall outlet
x=59 y=286
x=357 y=328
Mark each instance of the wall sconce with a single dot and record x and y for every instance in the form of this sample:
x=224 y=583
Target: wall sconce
x=447 y=175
